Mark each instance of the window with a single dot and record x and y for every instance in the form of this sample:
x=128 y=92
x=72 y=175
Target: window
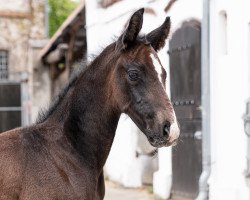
x=3 y=64
x=223 y=32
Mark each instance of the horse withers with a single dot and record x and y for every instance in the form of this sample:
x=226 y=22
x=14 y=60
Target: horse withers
x=63 y=154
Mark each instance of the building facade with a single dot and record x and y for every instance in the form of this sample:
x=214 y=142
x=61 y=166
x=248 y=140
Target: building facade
x=132 y=161
x=23 y=34
x=229 y=82
x=124 y=165
x=65 y=49
x=229 y=72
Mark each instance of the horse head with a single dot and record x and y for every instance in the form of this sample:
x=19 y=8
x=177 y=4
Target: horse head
x=139 y=82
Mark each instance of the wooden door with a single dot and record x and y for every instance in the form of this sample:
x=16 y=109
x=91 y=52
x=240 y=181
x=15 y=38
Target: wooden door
x=185 y=79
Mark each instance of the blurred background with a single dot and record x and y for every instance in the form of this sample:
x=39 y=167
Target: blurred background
x=207 y=57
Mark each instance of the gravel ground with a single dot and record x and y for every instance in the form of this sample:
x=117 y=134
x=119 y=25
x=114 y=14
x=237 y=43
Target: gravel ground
x=115 y=192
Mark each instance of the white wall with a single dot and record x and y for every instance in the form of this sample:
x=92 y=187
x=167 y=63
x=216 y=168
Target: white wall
x=102 y=26
x=229 y=91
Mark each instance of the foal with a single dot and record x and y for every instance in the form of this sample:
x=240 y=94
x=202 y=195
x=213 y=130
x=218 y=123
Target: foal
x=62 y=156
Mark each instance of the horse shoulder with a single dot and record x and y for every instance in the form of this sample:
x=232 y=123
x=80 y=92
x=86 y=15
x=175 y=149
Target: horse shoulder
x=10 y=168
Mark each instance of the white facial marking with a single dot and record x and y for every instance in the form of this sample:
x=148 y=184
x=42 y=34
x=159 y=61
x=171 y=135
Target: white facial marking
x=158 y=66
x=174 y=130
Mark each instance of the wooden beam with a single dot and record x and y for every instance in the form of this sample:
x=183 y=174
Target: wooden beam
x=169 y=5
x=56 y=55
x=15 y=14
x=70 y=52
x=62 y=28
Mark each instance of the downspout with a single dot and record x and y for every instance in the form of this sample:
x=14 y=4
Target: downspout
x=205 y=84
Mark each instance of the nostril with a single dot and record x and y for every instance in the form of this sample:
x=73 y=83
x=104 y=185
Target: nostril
x=166 y=128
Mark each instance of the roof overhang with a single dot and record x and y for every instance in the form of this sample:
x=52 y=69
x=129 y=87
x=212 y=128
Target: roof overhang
x=59 y=36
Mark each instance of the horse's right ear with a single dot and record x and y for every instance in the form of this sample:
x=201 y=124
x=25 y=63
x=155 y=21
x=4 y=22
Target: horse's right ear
x=131 y=32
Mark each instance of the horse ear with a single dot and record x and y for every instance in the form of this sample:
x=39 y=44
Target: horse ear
x=132 y=30
x=158 y=36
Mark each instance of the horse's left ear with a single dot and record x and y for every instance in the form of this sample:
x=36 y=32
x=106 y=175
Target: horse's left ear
x=158 y=36
x=132 y=30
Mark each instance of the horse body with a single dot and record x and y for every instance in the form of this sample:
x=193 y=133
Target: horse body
x=56 y=158
x=30 y=169
x=62 y=156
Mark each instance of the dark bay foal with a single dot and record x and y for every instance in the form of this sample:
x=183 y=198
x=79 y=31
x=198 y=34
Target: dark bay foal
x=62 y=156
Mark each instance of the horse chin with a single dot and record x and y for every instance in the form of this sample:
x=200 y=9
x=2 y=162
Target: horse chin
x=161 y=142
x=157 y=142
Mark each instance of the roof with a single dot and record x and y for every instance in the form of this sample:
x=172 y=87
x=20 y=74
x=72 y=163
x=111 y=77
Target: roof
x=59 y=36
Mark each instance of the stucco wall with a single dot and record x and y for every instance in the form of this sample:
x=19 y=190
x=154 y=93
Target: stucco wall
x=229 y=92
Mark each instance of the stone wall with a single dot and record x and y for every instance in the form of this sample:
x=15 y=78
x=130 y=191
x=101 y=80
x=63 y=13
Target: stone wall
x=15 y=5
x=38 y=30
x=22 y=25
x=14 y=38
x=17 y=30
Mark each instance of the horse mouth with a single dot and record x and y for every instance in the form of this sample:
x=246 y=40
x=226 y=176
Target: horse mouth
x=154 y=140
x=161 y=142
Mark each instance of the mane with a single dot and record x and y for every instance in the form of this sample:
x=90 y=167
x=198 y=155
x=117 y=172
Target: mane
x=80 y=68
x=44 y=114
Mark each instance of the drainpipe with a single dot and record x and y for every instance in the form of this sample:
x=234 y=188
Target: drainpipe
x=205 y=82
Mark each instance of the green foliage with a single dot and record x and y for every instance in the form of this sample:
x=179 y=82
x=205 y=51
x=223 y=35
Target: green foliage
x=59 y=10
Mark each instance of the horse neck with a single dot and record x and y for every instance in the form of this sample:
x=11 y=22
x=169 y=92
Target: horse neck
x=88 y=115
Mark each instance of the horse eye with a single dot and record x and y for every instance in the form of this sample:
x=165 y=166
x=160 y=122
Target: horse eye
x=133 y=75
